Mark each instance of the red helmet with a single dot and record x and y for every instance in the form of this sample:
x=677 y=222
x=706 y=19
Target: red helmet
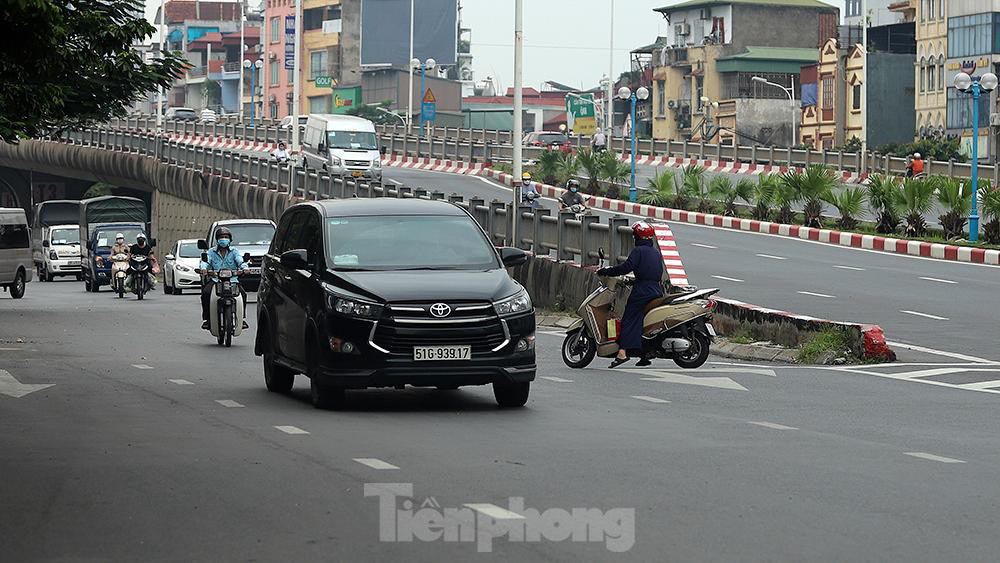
x=642 y=229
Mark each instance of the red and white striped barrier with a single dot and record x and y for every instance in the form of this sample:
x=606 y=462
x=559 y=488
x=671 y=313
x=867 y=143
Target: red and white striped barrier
x=731 y=167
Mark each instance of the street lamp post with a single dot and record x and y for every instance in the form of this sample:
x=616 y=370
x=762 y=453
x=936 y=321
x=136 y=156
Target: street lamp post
x=424 y=67
x=974 y=86
x=791 y=99
x=625 y=93
x=253 y=68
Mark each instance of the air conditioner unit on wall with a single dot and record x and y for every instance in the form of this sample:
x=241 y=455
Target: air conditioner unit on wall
x=272 y=55
x=995 y=119
x=682 y=29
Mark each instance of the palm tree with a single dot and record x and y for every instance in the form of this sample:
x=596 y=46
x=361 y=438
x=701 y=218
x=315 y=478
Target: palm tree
x=786 y=194
x=660 y=189
x=568 y=167
x=953 y=194
x=723 y=189
x=693 y=185
x=990 y=199
x=548 y=167
x=614 y=172
x=814 y=187
x=883 y=202
x=915 y=200
x=761 y=196
x=591 y=165
x=849 y=203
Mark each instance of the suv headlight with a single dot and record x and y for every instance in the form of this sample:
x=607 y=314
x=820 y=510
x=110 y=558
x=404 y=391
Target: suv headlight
x=518 y=303
x=353 y=307
x=334 y=161
x=377 y=163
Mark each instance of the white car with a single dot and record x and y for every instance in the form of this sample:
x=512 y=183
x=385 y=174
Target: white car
x=179 y=267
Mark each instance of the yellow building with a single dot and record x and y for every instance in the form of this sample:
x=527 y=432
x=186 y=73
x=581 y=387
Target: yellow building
x=929 y=72
x=321 y=30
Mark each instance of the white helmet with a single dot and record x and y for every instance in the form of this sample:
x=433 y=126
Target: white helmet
x=916 y=155
x=119 y=236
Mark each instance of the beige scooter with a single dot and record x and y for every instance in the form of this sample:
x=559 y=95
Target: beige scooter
x=677 y=326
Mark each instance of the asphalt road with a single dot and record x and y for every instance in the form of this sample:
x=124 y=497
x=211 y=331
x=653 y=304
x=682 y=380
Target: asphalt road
x=154 y=444
x=946 y=306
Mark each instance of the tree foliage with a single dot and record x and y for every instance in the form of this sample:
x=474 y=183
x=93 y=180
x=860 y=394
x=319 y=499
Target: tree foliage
x=70 y=63
x=371 y=113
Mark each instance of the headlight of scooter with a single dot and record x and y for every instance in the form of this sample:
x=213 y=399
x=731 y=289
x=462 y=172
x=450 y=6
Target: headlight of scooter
x=520 y=302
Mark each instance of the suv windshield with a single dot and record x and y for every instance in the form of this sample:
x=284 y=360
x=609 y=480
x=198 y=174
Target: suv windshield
x=408 y=242
x=65 y=236
x=358 y=140
x=251 y=234
x=190 y=250
x=106 y=238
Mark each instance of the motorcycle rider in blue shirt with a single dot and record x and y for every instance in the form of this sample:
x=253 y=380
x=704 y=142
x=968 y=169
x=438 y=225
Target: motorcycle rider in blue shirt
x=222 y=257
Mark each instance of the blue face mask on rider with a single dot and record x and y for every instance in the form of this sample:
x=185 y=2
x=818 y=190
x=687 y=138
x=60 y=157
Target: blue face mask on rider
x=573 y=189
x=223 y=243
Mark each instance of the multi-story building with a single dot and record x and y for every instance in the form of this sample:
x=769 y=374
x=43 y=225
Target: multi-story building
x=972 y=46
x=329 y=53
x=188 y=22
x=713 y=51
x=880 y=12
x=929 y=72
x=834 y=110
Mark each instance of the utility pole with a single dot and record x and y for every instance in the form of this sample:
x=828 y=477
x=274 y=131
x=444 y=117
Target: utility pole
x=239 y=101
x=297 y=79
x=864 y=86
x=515 y=137
x=609 y=117
x=409 y=71
x=163 y=42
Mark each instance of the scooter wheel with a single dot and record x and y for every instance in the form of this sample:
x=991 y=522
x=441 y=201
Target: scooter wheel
x=578 y=349
x=696 y=355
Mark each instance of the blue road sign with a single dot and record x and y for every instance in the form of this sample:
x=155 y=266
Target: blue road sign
x=428 y=111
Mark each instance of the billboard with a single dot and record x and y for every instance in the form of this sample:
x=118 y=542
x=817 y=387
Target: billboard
x=290 y=42
x=345 y=99
x=581 y=114
x=385 y=31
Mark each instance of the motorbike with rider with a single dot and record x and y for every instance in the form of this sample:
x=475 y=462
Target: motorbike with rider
x=119 y=264
x=220 y=258
x=141 y=261
x=572 y=198
x=529 y=192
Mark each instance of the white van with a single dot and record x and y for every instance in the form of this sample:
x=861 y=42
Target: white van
x=60 y=252
x=343 y=145
x=15 y=251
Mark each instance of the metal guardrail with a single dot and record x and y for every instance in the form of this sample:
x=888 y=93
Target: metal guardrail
x=482 y=145
x=562 y=236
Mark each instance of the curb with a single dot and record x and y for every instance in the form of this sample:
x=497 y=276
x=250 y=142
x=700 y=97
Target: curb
x=753 y=353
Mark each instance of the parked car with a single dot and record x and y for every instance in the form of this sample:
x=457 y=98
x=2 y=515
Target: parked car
x=343 y=145
x=15 y=251
x=182 y=114
x=179 y=267
x=386 y=293
x=551 y=139
x=250 y=236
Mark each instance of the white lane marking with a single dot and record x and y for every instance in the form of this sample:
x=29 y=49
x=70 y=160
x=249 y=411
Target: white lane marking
x=10 y=386
x=397 y=182
x=925 y=315
x=703 y=245
x=181 y=382
x=683 y=379
x=649 y=399
x=817 y=294
x=930 y=372
x=229 y=403
x=979 y=385
x=10 y=349
x=493 y=511
x=556 y=379
x=850 y=268
x=724 y=278
x=291 y=429
x=771 y=425
x=932 y=457
x=772 y=257
x=937 y=280
x=375 y=463
x=142 y=366
x=926 y=350
x=550 y=333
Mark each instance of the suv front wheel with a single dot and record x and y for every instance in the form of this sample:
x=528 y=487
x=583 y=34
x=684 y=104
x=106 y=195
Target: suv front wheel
x=278 y=379
x=511 y=394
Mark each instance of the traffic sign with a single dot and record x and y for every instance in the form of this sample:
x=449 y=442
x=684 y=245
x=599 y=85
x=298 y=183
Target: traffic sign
x=429 y=97
x=324 y=82
x=428 y=111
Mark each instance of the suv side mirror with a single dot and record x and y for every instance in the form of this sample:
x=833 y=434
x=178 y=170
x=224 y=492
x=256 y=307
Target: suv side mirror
x=45 y=244
x=168 y=257
x=511 y=256
x=202 y=244
x=321 y=147
x=295 y=259
x=204 y=257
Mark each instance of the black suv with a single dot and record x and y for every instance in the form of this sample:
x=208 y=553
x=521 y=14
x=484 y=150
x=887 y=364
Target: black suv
x=386 y=293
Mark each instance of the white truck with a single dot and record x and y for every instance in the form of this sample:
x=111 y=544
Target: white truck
x=55 y=239
x=343 y=145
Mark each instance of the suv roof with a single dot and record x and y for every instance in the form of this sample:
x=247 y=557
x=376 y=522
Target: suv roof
x=242 y=222
x=385 y=206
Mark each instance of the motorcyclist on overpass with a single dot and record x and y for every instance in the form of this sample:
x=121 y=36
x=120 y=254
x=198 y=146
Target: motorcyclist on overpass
x=529 y=192
x=646 y=263
x=572 y=195
x=222 y=257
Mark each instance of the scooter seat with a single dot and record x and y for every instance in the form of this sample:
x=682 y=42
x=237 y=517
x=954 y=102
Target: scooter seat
x=665 y=300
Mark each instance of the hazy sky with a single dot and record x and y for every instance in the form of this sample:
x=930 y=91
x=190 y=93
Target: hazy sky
x=564 y=40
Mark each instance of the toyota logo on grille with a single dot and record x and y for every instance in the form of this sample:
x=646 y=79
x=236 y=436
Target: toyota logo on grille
x=440 y=310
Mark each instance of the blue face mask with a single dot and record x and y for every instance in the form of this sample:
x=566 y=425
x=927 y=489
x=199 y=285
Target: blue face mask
x=223 y=243
x=572 y=190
